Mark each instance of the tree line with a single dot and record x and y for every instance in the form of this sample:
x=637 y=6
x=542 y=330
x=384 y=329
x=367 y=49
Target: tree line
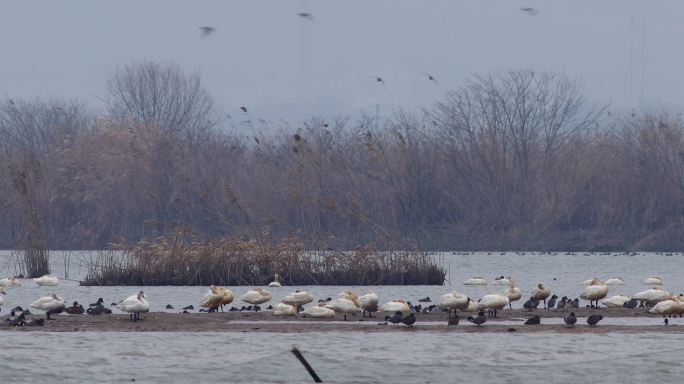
x=511 y=160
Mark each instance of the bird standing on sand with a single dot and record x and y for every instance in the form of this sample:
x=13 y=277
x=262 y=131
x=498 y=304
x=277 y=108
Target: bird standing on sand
x=409 y=320
x=552 y=301
x=51 y=304
x=570 y=319
x=514 y=294
x=479 y=319
x=594 y=292
x=541 y=293
x=368 y=303
x=75 y=309
x=561 y=304
x=594 y=319
x=394 y=319
x=134 y=305
x=534 y=320
x=531 y=304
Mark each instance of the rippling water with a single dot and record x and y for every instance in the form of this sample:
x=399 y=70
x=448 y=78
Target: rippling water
x=356 y=356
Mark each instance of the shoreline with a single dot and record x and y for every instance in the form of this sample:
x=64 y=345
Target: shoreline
x=507 y=321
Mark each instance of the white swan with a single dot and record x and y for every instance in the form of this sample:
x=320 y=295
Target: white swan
x=12 y=282
x=368 y=303
x=653 y=296
x=653 y=280
x=513 y=293
x=671 y=306
x=216 y=297
x=493 y=302
x=541 y=293
x=50 y=304
x=349 y=295
x=594 y=292
x=454 y=301
x=616 y=301
x=588 y=281
x=319 y=311
x=276 y=282
x=298 y=298
x=256 y=296
x=343 y=306
x=282 y=309
x=392 y=307
x=135 y=305
x=46 y=280
x=477 y=280
x=615 y=281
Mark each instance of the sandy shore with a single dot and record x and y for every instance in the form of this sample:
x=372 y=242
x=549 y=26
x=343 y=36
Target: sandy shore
x=266 y=322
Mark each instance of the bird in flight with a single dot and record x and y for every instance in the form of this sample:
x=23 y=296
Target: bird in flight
x=379 y=79
x=206 y=31
x=530 y=11
x=244 y=109
x=430 y=77
x=305 y=15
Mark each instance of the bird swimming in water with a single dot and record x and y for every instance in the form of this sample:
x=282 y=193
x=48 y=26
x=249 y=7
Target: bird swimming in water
x=189 y=307
x=534 y=320
x=169 y=306
x=594 y=319
x=570 y=319
x=479 y=319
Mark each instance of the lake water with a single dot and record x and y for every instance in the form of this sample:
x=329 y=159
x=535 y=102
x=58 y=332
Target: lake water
x=356 y=356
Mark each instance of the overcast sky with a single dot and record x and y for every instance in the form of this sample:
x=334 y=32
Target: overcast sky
x=280 y=65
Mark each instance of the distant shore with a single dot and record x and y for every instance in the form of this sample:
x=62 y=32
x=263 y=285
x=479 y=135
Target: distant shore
x=265 y=322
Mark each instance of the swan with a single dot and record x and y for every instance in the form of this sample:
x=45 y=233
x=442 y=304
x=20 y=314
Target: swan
x=344 y=306
x=396 y=306
x=227 y=296
x=135 y=305
x=513 y=293
x=10 y=282
x=212 y=299
x=51 y=304
x=668 y=307
x=616 y=301
x=276 y=282
x=319 y=311
x=653 y=280
x=541 y=293
x=282 y=309
x=493 y=302
x=454 y=301
x=298 y=298
x=349 y=295
x=504 y=280
x=653 y=295
x=46 y=280
x=477 y=280
x=615 y=281
x=594 y=292
x=368 y=303
x=588 y=281
x=256 y=296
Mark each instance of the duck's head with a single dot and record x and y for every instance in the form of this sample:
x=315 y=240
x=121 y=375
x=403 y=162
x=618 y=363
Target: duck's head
x=540 y=286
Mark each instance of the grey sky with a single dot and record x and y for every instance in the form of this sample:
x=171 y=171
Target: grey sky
x=279 y=65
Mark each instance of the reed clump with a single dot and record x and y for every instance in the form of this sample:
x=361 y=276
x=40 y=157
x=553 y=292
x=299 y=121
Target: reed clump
x=179 y=259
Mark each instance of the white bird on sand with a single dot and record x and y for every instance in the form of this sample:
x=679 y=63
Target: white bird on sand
x=594 y=292
x=653 y=280
x=616 y=301
x=46 y=280
x=282 y=309
x=276 y=282
x=513 y=293
x=216 y=297
x=256 y=296
x=12 y=282
x=343 y=306
x=615 y=281
x=541 y=293
x=51 y=304
x=392 y=307
x=493 y=302
x=477 y=280
x=368 y=303
x=349 y=295
x=653 y=295
x=319 y=311
x=135 y=305
x=298 y=299
x=454 y=301
x=669 y=307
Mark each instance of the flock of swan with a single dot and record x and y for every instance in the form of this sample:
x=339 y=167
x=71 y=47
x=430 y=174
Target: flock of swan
x=657 y=299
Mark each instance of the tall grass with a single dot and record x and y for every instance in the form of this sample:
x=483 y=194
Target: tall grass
x=188 y=260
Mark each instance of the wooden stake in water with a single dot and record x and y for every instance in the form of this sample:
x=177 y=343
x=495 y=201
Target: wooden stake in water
x=306 y=365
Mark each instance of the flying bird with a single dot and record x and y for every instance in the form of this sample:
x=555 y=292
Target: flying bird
x=379 y=79
x=430 y=77
x=305 y=15
x=530 y=11
x=206 y=31
x=244 y=109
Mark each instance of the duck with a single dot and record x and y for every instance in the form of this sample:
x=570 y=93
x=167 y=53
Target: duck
x=531 y=304
x=477 y=280
x=562 y=303
x=541 y=293
x=282 y=309
x=595 y=291
x=409 y=320
x=276 y=282
x=514 y=294
x=652 y=296
x=396 y=306
x=669 y=307
x=51 y=304
x=552 y=301
x=368 y=303
x=594 y=319
x=135 y=305
x=504 y=280
x=212 y=299
x=2 y=299
x=344 y=306
x=454 y=301
x=97 y=310
x=631 y=304
x=319 y=312
x=33 y=322
x=256 y=296
x=479 y=319
x=46 y=280
x=570 y=319
x=653 y=280
x=615 y=281
x=616 y=301
x=75 y=309
x=298 y=299
x=98 y=302
x=11 y=282
x=534 y=320
x=493 y=302
x=394 y=319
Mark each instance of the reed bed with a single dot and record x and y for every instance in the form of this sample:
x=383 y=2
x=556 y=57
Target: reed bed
x=187 y=260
